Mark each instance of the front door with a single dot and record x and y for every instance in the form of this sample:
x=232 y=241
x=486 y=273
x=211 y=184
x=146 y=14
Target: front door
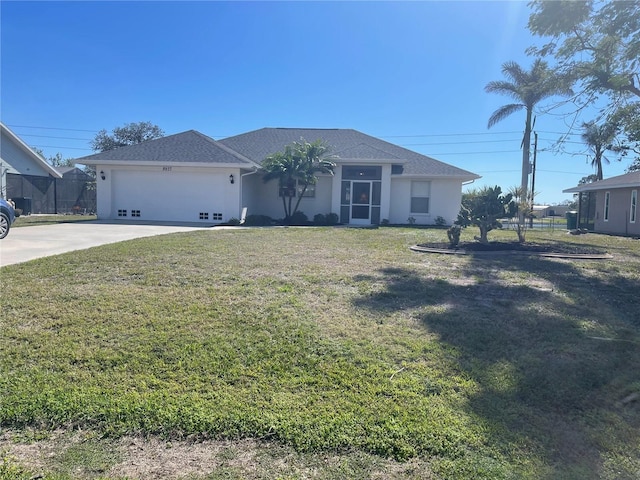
x=361 y=203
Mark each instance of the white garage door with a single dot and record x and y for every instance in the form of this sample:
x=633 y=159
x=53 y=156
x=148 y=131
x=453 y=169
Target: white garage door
x=173 y=196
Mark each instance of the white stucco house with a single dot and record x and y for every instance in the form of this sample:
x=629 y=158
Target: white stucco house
x=190 y=177
x=25 y=176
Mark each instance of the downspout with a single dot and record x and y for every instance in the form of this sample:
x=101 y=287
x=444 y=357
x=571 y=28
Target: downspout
x=254 y=171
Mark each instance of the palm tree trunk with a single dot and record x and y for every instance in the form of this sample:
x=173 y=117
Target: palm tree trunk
x=598 y=161
x=300 y=198
x=526 y=149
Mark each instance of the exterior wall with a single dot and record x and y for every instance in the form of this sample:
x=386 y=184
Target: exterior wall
x=181 y=193
x=176 y=194
x=619 y=210
x=14 y=158
x=444 y=201
x=262 y=198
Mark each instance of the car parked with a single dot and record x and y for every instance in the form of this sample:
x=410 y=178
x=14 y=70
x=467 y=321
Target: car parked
x=7 y=217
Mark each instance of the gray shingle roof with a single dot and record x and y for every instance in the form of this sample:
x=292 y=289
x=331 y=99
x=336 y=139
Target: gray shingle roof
x=631 y=179
x=186 y=147
x=345 y=143
x=251 y=148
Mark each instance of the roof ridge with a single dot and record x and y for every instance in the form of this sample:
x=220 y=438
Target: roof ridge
x=225 y=148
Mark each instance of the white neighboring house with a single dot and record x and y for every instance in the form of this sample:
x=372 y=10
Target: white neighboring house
x=25 y=175
x=189 y=177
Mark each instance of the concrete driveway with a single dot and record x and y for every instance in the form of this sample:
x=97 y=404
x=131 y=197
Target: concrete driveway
x=27 y=243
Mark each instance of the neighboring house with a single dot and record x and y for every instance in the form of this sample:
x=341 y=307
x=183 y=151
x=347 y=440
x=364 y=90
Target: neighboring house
x=190 y=177
x=544 y=211
x=25 y=177
x=610 y=205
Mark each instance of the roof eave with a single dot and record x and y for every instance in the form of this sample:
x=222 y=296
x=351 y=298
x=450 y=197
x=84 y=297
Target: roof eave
x=29 y=151
x=166 y=163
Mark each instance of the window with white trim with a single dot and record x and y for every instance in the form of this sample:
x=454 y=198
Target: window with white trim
x=634 y=206
x=607 y=198
x=420 y=196
x=285 y=191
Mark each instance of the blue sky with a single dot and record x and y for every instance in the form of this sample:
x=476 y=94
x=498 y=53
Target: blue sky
x=412 y=73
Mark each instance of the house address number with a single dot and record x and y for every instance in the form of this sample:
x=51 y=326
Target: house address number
x=166 y=169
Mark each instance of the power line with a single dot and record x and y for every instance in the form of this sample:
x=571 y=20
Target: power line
x=53 y=128
x=61 y=148
x=52 y=136
x=458 y=143
x=471 y=153
x=446 y=134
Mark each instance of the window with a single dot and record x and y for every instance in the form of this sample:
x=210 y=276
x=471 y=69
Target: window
x=397 y=169
x=607 y=197
x=634 y=206
x=204 y=216
x=122 y=213
x=216 y=216
x=297 y=190
x=135 y=213
x=353 y=172
x=420 y=193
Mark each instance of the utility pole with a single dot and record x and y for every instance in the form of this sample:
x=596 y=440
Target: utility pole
x=533 y=175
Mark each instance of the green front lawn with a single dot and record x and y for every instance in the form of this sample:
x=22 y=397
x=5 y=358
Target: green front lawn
x=32 y=220
x=332 y=342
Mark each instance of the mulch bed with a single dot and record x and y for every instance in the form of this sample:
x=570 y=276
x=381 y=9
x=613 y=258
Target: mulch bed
x=560 y=249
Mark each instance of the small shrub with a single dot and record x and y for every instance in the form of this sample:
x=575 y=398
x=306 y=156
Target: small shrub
x=258 y=221
x=298 y=218
x=18 y=212
x=233 y=221
x=319 y=219
x=411 y=220
x=332 y=219
x=453 y=233
x=440 y=221
x=384 y=222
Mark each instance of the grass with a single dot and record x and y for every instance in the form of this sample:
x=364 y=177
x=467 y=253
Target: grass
x=32 y=220
x=336 y=350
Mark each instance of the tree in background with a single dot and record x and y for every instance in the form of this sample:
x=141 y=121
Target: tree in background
x=296 y=168
x=129 y=134
x=57 y=160
x=527 y=88
x=599 y=139
x=484 y=208
x=597 y=45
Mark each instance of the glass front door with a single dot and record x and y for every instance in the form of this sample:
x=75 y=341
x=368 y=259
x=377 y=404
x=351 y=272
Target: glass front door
x=361 y=194
x=361 y=202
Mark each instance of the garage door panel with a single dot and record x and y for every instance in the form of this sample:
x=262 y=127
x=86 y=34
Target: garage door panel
x=173 y=196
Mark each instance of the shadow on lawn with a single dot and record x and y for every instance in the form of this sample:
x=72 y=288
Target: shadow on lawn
x=567 y=383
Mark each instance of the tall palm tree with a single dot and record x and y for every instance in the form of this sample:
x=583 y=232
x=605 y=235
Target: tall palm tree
x=528 y=88
x=599 y=139
x=296 y=168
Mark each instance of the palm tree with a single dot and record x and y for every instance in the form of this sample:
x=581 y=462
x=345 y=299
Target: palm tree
x=296 y=168
x=599 y=139
x=528 y=88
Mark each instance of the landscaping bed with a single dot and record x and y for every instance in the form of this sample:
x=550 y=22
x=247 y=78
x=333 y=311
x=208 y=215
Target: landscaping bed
x=506 y=246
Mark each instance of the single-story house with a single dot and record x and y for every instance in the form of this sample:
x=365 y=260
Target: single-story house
x=610 y=205
x=190 y=177
x=544 y=211
x=25 y=177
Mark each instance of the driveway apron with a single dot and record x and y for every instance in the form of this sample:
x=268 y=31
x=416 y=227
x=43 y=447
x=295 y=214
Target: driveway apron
x=28 y=243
